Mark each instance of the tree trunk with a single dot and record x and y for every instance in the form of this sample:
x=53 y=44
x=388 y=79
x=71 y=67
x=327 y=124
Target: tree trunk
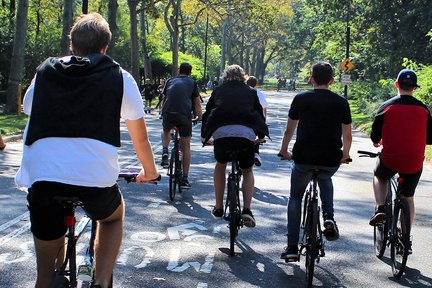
x=67 y=23
x=146 y=59
x=134 y=39
x=112 y=21
x=171 y=21
x=17 y=60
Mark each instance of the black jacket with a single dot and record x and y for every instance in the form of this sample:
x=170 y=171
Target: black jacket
x=232 y=103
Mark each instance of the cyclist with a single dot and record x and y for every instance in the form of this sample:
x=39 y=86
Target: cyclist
x=182 y=98
x=403 y=126
x=234 y=117
x=253 y=82
x=71 y=143
x=322 y=118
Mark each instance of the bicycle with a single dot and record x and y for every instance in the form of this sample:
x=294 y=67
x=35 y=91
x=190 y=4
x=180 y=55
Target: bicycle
x=312 y=242
x=395 y=231
x=67 y=274
x=175 y=171
x=232 y=203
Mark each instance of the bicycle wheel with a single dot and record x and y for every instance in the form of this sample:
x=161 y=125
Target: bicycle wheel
x=400 y=242
x=233 y=212
x=311 y=228
x=59 y=281
x=178 y=169
x=381 y=230
x=172 y=175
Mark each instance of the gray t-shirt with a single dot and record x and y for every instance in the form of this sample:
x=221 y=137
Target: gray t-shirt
x=179 y=92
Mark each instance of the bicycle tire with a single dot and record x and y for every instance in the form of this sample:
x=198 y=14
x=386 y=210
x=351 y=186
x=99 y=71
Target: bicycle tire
x=172 y=176
x=59 y=281
x=233 y=212
x=401 y=227
x=381 y=230
x=178 y=169
x=311 y=230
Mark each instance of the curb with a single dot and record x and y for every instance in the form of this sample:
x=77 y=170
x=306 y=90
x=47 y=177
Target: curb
x=13 y=138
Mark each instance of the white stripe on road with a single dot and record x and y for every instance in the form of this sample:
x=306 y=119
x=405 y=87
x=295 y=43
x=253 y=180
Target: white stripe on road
x=14 y=234
x=14 y=221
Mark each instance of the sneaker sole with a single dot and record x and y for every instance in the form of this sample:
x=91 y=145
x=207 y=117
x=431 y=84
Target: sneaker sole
x=216 y=217
x=248 y=221
x=378 y=219
x=290 y=258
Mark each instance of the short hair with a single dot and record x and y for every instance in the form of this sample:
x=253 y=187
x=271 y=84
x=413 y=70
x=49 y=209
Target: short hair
x=322 y=72
x=185 y=68
x=89 y=34
x=252 y=81
x=233 y=73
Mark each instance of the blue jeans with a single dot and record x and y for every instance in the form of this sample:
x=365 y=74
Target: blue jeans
x=300 y=177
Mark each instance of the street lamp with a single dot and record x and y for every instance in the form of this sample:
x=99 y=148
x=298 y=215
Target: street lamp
x=348 y=31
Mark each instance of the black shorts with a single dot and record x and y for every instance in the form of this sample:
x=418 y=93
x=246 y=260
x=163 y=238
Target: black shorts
x=183 y=123
x=409 y=183
x=222 y=146
x=47 y=215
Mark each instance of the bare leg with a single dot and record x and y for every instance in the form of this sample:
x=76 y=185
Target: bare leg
x=2 y=144
x=380 y=190
x=46 y=254
x=166 y=138
x=247 y=187
x=410 y=201
x=185 y=146
x=107 y=245
x=219 y=184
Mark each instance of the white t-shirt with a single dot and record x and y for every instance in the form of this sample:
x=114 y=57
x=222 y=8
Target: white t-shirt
x=262 y=99
x=76 y=161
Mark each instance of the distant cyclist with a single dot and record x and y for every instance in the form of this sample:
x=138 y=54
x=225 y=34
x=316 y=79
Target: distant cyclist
x=182 y=99
x=234 y=118
x=71 y=143
x=323 y=122
x=403 y=126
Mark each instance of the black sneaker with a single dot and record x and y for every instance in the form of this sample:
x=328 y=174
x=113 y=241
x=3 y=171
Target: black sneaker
x=290 y=254
x=248 y=218
x=257 y=160
x=164 y=162
x=331 y=231
x=217 y=213
x=379 y=217
x=184 y=183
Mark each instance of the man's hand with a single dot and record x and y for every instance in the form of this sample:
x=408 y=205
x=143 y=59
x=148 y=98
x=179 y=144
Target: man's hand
x=209 y=142
x=285 y=155
x=143 y=177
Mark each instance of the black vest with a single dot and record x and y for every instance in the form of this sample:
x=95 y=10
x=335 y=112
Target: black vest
x=80 y=97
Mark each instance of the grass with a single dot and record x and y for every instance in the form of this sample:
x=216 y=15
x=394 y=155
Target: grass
x=11 y=124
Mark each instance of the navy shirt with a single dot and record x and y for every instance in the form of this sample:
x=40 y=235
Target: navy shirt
x=179 y=92
x=321 y=114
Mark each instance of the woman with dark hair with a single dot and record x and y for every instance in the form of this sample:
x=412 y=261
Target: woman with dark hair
x=234 y=118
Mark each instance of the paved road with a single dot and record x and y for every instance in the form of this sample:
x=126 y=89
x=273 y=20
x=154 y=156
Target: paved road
x=178 y=244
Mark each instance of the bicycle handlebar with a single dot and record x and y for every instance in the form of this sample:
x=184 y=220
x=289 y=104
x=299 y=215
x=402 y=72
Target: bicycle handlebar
x=347 y=161
x=367 y=154
x=131 y=177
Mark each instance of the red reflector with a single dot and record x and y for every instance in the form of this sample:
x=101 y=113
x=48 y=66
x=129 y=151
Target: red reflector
x=69 y=221
x=400 y=180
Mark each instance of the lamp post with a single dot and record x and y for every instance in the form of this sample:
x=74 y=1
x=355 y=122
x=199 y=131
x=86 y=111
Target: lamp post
x=84 y=6
x=348 y=31
x=205 y=50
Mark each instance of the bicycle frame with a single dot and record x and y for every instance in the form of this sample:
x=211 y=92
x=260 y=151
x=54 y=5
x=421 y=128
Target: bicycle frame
x=66 y=274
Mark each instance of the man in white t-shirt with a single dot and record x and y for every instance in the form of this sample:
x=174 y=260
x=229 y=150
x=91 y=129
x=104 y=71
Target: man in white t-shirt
x=253 y=82
x=71 y=143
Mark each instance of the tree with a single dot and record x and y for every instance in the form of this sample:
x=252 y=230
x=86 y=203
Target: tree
x=112 y=21
x=134 y=39
x=17 y=61
x=67 y=24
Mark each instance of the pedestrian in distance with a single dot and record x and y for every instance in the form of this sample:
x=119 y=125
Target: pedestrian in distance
x=234 y=118
x=148 y=93
x=323 y=122
x=402 y=127
x=182 y=98
x=71 y=143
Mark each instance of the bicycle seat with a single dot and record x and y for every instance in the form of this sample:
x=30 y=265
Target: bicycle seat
x=68 y=200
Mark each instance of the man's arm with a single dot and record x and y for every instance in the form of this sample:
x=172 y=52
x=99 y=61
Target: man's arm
x=198 y=109
x=138 y=132
x=289 y=132
x=347 y=141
